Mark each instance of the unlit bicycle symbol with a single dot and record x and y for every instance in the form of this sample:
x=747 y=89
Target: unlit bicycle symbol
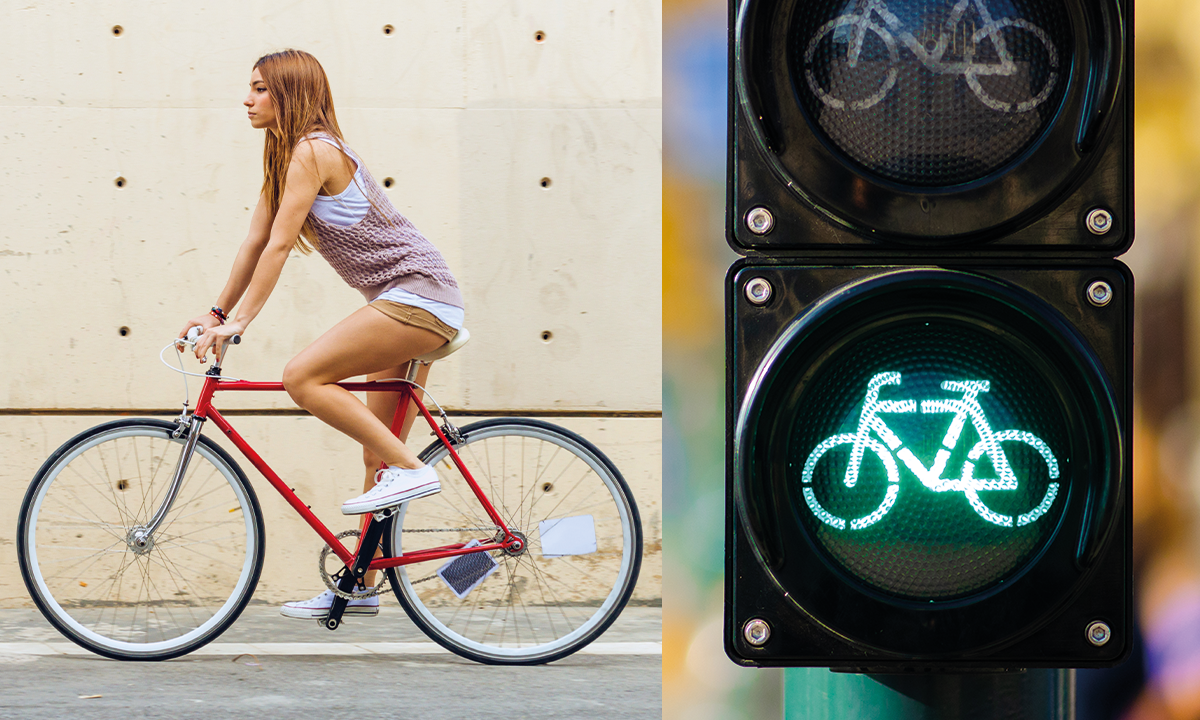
x=888 y=448
x=851 y=31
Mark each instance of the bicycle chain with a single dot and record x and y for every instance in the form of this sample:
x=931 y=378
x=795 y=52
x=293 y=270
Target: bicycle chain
x=329 y=583
x=491 y=529
x=383 y=584
x=427 y=578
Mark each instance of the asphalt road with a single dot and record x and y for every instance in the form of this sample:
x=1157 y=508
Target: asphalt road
x=379 y=666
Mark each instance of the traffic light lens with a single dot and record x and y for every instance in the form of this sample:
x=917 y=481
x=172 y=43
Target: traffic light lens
x=931 y=93
x=926 y=455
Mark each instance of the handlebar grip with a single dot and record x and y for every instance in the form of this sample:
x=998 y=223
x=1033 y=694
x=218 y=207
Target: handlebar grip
x=196 y=331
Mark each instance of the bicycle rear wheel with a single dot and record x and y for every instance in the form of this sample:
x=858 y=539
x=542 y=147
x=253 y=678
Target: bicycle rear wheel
x=582 y=553
x=90 y=581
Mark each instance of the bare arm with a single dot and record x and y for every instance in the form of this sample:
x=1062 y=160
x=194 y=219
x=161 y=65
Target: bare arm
x=257 y=269
x=247 y=257
x=243 y=266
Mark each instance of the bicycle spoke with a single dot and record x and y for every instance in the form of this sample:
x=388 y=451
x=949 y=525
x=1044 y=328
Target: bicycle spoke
x=461 y=504
x=486 y=467
x=528 y=608
x=115 y=578
x=80 y=502
x=195 y=496
x=211 y=559
x=105 y=479
x=118 y=602
x=98 y=524
x=551 y=511
x=76 y=557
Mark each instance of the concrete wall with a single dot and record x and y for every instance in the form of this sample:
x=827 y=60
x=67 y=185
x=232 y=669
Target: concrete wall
x=523 y=137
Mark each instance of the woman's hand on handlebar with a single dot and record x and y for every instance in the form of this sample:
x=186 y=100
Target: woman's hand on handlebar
x=215 y=338
x=205 y=321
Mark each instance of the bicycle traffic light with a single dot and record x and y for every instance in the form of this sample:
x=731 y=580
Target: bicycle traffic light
x=928 y=337
x=875 y=125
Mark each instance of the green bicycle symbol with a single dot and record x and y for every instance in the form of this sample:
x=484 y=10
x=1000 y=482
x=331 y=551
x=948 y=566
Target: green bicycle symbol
x=964 y=408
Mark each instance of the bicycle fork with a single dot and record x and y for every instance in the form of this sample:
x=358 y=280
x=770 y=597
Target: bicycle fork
x=141 y=538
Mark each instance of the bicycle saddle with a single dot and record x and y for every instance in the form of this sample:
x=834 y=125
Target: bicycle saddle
x=455 y=343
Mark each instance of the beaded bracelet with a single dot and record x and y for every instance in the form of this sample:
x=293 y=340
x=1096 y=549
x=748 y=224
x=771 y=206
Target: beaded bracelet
x=219 y=314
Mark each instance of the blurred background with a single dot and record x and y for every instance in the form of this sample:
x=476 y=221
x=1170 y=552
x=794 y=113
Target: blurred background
x=1162 y=679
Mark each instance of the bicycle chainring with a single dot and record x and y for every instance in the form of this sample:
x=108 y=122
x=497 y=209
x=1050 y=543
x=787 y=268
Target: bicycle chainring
x=331 y=583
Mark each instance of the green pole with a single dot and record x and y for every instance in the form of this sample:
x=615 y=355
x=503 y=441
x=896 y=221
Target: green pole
x=820 y=694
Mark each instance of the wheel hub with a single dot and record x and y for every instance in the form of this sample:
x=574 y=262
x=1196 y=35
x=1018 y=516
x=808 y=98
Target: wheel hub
x=518 y=547
x=139 y=541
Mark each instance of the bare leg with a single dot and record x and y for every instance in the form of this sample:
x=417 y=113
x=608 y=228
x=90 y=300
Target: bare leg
x=383 y=406
x=367 y=342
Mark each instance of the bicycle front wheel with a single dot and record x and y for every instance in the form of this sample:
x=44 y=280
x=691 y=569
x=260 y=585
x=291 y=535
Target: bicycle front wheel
x=581 y=557
x=116 y=598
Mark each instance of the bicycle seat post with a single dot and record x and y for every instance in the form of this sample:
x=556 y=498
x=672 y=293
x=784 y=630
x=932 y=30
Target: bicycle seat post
x=414 y=367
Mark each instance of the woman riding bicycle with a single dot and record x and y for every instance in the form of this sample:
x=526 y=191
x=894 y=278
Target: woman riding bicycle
x=317 y=193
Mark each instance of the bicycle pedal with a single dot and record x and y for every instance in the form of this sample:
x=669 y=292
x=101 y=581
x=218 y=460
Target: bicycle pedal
x=465 y=572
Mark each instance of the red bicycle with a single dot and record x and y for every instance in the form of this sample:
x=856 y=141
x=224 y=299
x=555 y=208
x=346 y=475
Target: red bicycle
x=141 y=539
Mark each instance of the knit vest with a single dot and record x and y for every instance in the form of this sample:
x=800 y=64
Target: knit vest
x=384 y=250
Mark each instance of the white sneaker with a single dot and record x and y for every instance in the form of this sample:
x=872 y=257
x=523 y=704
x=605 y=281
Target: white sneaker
x=319 y=606
x=394 y=486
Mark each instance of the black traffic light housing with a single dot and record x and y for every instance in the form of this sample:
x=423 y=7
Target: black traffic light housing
x=874 y=262
x=1034 y=198
x=818 y=612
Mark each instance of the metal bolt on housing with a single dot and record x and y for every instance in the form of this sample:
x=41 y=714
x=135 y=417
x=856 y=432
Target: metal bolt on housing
x=1100 y=293
x=756 y=632
x=760 y=220
x=1098 y=633
x=758 y=291
x=1099 y=221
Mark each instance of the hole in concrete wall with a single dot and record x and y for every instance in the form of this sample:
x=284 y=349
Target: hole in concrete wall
x=539 y=36
x=117 y=30
x=544 y=182
x=119 y=182
x=388 y=182
x=546 y=336
x=124 y=331
x=388 y=29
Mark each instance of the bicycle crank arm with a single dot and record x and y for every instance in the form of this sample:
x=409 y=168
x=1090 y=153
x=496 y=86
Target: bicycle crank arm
x=349 y=580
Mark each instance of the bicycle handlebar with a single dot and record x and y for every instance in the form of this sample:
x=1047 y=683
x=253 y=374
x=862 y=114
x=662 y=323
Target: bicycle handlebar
x=189 y=340
x=198 y=330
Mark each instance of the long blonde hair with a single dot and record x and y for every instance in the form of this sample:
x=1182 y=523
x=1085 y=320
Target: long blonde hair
x=303 y=104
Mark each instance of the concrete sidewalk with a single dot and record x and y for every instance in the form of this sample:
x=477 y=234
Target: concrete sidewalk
x=261 y=630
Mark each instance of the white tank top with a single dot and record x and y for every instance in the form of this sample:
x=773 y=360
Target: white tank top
x=350 y=205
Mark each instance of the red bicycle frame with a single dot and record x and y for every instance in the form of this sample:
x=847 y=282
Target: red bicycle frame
x=205 y=411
